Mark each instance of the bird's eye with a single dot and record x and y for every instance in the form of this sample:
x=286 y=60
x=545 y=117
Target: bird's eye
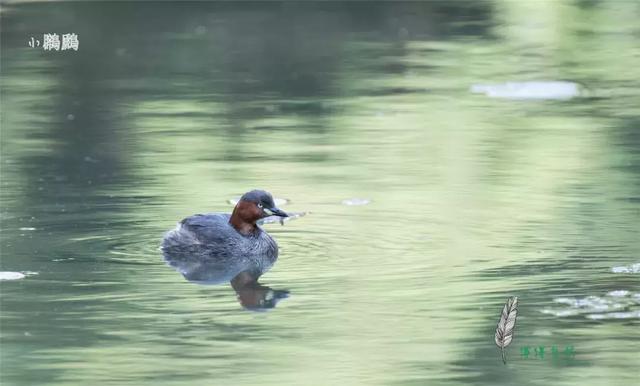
x=260 y=205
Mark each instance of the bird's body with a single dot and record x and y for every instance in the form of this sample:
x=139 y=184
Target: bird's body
x=218 y=247
x=213 y=242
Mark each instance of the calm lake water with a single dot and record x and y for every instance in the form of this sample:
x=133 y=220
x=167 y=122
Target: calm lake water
x=462 y=198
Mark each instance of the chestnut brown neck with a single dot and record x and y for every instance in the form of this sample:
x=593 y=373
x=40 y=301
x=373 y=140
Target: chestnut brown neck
x=244 y=217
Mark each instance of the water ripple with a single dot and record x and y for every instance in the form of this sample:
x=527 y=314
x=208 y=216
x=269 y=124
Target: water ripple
x=633 y=268
x=618 y=304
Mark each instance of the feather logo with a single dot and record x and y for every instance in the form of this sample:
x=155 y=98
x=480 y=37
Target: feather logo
x=506 y=325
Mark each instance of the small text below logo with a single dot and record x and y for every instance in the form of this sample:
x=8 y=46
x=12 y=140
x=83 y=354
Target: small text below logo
x=539 y=352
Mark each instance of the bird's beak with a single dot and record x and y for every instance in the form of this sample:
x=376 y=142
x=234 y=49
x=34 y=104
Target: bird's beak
x=276 y=212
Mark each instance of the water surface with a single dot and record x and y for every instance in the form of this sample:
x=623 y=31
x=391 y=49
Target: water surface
x=461 y=200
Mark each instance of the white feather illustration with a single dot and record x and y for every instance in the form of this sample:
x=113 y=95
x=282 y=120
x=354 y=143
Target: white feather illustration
x=506 y=325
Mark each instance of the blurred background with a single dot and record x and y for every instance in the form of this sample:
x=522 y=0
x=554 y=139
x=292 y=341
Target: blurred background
x=428 y=205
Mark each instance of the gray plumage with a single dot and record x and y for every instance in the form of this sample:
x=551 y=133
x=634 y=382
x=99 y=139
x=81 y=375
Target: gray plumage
x=207 y=248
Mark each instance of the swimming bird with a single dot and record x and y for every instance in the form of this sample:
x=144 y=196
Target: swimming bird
x=233 y=247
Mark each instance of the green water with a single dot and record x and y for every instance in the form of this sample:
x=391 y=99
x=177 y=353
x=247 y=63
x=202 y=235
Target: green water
x=172 y=109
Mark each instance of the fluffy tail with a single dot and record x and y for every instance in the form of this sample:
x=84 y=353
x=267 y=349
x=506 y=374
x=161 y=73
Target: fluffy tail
x=179 y=237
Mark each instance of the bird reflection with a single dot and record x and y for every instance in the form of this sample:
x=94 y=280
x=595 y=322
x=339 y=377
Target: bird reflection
x=199 y=264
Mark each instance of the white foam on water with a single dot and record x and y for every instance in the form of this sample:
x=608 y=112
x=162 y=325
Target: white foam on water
x=9 y=275
x=569 y=301
x=560 y=312
x=538 y=90
x=616 y=315
x=5 y=275
x=617 y=304
x=356 y=201
x=633 y=268
x=618 y=293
